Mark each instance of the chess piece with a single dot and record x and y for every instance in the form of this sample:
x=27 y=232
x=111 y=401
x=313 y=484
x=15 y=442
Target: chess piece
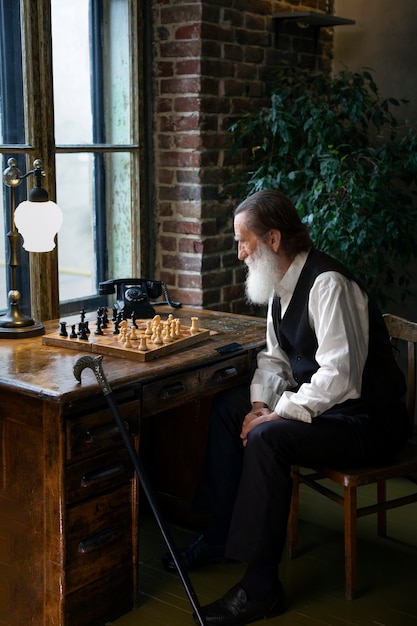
x=157 y=339
x=83 y=331
x=133 y=320
x=143 y=346
x=194 y=326
x=63 y=331
x=128 y=343
x=73 y=334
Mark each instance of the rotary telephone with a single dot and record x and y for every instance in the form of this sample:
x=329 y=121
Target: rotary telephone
x=134 y=295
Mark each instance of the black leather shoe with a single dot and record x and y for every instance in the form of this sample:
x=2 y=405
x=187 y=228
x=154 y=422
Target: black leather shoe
x=196 y=555
x=235 y=609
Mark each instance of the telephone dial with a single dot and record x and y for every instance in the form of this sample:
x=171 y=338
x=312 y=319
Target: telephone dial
x=134 y=295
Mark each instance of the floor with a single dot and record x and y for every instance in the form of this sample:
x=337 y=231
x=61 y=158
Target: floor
x=314 y=581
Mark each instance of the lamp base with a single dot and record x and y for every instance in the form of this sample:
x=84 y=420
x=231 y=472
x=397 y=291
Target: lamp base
x=21 y=332
x=16 y=325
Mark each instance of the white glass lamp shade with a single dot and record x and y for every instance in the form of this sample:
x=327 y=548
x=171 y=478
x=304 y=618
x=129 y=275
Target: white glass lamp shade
x=38 y=223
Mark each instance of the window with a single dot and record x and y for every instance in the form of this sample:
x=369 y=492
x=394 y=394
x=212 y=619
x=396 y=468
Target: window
x=90 y=145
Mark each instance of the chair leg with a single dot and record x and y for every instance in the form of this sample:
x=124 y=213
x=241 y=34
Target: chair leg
x=382 y=514
x=350 y=543
x=292 y=529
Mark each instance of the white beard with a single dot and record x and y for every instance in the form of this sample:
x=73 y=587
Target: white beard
x=263 y=275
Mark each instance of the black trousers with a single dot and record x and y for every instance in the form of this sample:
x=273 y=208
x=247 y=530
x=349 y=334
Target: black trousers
x=247 y=490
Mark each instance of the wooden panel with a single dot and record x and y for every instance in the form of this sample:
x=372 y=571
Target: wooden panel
x=22 y=521
x=91 y=476
x=175 y=390
x=94 y=432
x=98 y=537
x=101 y=601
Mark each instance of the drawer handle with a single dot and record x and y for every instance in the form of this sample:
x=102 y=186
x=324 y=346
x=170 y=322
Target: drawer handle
x=98 y=540
x=172 y=390
x=102 y=474
x=101 y=432
x=227 y=372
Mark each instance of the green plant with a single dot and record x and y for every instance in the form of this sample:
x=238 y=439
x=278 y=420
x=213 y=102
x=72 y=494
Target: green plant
x=335 y=147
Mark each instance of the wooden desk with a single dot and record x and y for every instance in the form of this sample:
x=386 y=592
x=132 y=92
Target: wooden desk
x=68 y=495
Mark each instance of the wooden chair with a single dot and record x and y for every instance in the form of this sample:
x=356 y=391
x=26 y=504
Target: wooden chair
x=350 y=479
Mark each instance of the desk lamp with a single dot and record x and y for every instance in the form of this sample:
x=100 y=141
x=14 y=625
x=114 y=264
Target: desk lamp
x=38 y=220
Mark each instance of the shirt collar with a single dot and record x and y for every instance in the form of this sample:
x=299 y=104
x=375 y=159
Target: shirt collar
x=289 y=280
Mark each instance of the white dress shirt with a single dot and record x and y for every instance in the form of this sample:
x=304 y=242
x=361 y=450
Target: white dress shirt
x=338 y=314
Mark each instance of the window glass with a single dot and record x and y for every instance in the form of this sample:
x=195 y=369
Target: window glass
x=77 y=272
x=71 y=68
x=117 y=59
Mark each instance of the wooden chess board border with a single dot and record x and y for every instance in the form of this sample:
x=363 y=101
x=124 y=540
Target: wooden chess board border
x=108 y=344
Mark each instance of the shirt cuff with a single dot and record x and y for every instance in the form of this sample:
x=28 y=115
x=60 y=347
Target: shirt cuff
x=259 y=393
x=290 y=411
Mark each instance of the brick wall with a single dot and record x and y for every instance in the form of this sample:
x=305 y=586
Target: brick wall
x=212 y=60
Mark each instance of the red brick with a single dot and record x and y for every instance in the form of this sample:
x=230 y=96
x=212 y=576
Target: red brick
x=189 y=281
x=168 y=243
x=188 y=31
x=180 y=14
x=187 y=142
x=189 y=66
x=188 y=263
x=187 y=104
x=191 y=245
x=180 y=85
x=189 y=228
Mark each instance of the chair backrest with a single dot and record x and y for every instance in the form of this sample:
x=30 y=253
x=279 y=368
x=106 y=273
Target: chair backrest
x=400 y=329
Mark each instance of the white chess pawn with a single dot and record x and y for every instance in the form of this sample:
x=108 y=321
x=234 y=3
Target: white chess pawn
x=157 y=338
x=128 y=343
x=143 y=346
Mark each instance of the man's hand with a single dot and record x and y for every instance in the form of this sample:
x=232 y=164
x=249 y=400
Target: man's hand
x=260 y=413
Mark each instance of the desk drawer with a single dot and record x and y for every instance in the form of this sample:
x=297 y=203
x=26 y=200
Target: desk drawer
x=98 y=537
x=176 y=390
x=91 y=476
x=102 y=601
x=96 y=432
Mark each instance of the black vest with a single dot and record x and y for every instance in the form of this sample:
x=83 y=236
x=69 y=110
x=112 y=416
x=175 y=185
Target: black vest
x=383 y=383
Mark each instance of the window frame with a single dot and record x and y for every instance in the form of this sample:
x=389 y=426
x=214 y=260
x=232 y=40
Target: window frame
x=40 y=143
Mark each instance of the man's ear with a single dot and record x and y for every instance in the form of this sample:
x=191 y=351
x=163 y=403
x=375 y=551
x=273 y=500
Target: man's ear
x=275 y=239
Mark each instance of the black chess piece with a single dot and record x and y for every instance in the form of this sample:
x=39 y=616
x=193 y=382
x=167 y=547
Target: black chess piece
x=73 y=334
x=98 y=330
x=82 y=331
x=133 y=319
x=63 y=331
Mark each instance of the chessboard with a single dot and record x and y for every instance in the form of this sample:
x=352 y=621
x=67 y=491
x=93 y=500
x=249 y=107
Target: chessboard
x=139 y=340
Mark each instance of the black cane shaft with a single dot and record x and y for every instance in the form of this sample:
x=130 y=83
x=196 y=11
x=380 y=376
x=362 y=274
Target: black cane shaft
x=154 y=506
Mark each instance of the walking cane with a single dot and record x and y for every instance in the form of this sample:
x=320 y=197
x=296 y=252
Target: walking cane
x=95 y=363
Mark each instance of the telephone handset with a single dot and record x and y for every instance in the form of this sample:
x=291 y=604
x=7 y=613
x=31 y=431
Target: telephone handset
x=134 y=295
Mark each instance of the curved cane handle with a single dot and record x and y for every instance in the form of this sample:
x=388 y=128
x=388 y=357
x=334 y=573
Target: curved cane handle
x=94 y=363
